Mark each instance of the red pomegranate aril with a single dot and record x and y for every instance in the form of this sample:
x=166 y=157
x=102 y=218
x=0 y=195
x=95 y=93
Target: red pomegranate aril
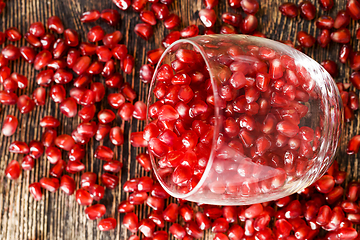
x=90 y=16
x=207 y=17
x=210 y=4
x=13 y=170
x=353 y=8
x=45 y=77
x=305 y=39
x=148 y=17
x=95 y=211
x=25 y=104
x=71 y=37
x=288 y=9
x=147 y=227
x=47 y=41
x=325 y=22
x=342 y=19
x=109 y=180
x=202 y=221
x=307 y=10
x=172 y=21
x=28 y=54
x=127 y=64
x=146 y=73
x=37 y=29
x=193 y=230
x=10 y=52
x=341 y=35
x=34 y=41
x=110 y=16
x=137 y=198
x=126 y=111
x=35 y=190
x=112 y=166
x=8 y=98
x=83 y=197
x=119 y=51
x=104 y=54
x=107 y=224
x=50 y=184
x=171 y=212
x=36 y=149
x=10 y=85
x=9 y=125
x=27 y=163
x=248 y=24
x=96 y=191
x=131 y=222
x=55 y=24
x=324 y=38
x=144 y=30
x=13 y=34
x=190 y=31
x=57 y=170
x=170 y=38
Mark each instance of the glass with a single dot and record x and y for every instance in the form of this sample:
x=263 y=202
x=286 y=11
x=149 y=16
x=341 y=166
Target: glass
x=237 y=120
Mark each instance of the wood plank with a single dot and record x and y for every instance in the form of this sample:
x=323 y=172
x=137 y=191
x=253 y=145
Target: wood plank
x=58 y=216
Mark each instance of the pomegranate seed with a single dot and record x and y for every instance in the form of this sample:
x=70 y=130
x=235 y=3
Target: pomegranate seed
x=324 y=38
x=69 y=107
x=57 y=170
x=47 y=41
x=171 y=212
x=190 y=31
x=90 y=16
x=35 y=191
x=50 y=184
x=144 y=30
x=95 y=211
x=231 y=18
x=125 y=207
x=28 y=54
x=248 y=24
x=112 y=39
x=341 y=35
x=193 y=230
x=110 y=16
x=71 y=37
x=110 y=181
x=13 y=34
x=122 y=4
x=8 y=98
x=325 y=22
x=107 y=224
x=27 y=163
x=13 y=170
x=210 y=4
x=126 y=111
x=131 y=222
x=307 y=10
x=127 y=64
x=97 y=192
x=207 y=17
x=10 y=52
x=305 y=39
x=83 y=197
x=9 y=125
x=353 y=8
x=342 y=19
x=55 y=24
x=104 y=54
x=289 y=10
x=34 y=41
x=113 y=166
x=172 y=21
x=153 y=56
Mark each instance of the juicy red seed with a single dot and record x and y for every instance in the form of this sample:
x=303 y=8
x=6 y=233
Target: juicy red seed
x=131 y=222
x=112 y=39
x=289 y=10
x=10 y=52
x=307 y=10
x=148 y=17
x=172 y=21
x=13 y=34
x=325 y=22
x=34 y=41
x=190 y=31
x=96 y=34
x=83 y=197
x=342 y=19
x=71 y=37
x=54 y=23
x=248 y=24
x=144 y=30
x=305 y=39
x=53 y=154
x=341 y=35
x=107 y=224
x=27 y=163
x=13 y=170
x=9 y=125
x=67 y=185
x=110 y=16
x=50 y=184
x=231 y=18
x=90 y=16
x=110 y=181
x=95 y=211
x=35 y=190
x=207 y=17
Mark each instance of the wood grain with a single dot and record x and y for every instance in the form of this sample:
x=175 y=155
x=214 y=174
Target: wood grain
x=58 y=216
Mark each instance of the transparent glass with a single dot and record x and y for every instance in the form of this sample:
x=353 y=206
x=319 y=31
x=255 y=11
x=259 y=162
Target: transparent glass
x=257 y=121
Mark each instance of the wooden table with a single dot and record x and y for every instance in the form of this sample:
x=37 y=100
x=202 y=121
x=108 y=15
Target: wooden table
x=58 y=216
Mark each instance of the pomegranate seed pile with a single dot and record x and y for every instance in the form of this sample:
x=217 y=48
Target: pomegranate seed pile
x=325 y=210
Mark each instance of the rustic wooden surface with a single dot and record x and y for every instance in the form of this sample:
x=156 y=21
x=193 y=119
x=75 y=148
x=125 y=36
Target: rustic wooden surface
x=58 y=216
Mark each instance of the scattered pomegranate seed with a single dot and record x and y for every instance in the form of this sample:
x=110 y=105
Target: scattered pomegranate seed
x=107 y=224
x=90 y=16
x=289 y=10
